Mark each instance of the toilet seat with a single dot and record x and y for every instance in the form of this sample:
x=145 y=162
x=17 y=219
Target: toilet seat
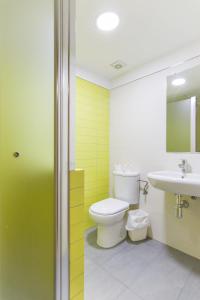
x=109 y=207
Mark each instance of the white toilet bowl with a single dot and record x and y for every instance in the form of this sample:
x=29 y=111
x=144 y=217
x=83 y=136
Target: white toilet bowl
x=110 y=217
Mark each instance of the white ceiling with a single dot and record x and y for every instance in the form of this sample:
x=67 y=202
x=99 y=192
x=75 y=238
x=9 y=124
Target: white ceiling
x=149 y=29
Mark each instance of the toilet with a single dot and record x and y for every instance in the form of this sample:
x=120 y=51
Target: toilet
x=110 y=214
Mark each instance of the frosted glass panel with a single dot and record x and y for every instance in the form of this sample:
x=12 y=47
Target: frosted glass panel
x=178 y=126
x=27 y=127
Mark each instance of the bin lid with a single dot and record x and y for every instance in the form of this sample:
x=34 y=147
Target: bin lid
x=109 y=206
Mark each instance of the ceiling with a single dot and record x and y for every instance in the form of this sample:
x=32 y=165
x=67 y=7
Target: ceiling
x=149 y=29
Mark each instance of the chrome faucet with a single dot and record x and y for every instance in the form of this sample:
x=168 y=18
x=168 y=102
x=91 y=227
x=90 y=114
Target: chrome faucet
x=183 y=167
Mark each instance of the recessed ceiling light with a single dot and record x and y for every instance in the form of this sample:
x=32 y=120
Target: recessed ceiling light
x=178 y=81
x=107 y=21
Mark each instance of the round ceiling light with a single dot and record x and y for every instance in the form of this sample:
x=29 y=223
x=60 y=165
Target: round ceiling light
x=178 y=81
x=107 y=21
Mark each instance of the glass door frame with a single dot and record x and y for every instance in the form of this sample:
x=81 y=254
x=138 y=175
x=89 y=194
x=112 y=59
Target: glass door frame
x=64 y=50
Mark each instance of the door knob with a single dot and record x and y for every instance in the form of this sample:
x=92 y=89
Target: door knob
x=16 y=154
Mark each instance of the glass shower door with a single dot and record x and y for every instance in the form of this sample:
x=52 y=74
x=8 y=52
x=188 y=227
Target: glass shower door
x=27 y=206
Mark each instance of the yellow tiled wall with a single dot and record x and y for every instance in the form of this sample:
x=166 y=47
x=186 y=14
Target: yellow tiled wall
x=76 y=235
x=92 y=142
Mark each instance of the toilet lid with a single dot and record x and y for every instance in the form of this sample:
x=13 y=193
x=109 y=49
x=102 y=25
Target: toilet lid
x=109 y=206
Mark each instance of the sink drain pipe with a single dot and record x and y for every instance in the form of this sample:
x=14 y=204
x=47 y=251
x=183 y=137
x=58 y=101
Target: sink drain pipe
x=180 y=204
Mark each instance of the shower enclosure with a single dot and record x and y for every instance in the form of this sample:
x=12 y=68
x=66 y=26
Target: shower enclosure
x=34 y=76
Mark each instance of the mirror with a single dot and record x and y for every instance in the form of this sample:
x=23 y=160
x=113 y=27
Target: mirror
x=183 y=111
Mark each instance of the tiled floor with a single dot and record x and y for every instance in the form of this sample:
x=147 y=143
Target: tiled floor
x=147 y=270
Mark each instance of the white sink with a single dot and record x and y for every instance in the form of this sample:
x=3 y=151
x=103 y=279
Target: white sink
x=173 y=182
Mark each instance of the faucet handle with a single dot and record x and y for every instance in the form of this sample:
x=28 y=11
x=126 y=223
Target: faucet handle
x=183 y=164
x=183 y=161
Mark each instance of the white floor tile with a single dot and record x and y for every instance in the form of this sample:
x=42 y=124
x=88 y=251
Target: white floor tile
x=148 y=270
x=128 y=295
x=101 y=286
x=191 y=290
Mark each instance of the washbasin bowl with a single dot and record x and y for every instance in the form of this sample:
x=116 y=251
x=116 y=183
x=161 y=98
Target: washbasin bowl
x=174 y=182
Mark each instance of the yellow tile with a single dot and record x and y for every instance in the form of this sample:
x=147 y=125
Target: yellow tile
x=86 y=209
x=91 y=182
x=76 y=267
x=92 y=142
x=76 y=179
x=103 y=180
x=91 y=193
x=77 y=249
x=83 y=140
x=76 y=286
x=90 y=171
x=102 y=196
x=87 y=155
x=76 y=197
x=82 y=119
x=78 y=297
x=92 y=155
x=89 y=147
x=102 y=189
x=77 y=232
x=102 y=165
x=89 y=201
x=76 y=215
x=89 y=223
x=87 y=163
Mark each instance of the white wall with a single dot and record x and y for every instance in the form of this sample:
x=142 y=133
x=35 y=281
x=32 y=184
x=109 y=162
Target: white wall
x=138 y=136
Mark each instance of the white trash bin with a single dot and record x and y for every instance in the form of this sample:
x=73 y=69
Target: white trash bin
x=137 y=224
